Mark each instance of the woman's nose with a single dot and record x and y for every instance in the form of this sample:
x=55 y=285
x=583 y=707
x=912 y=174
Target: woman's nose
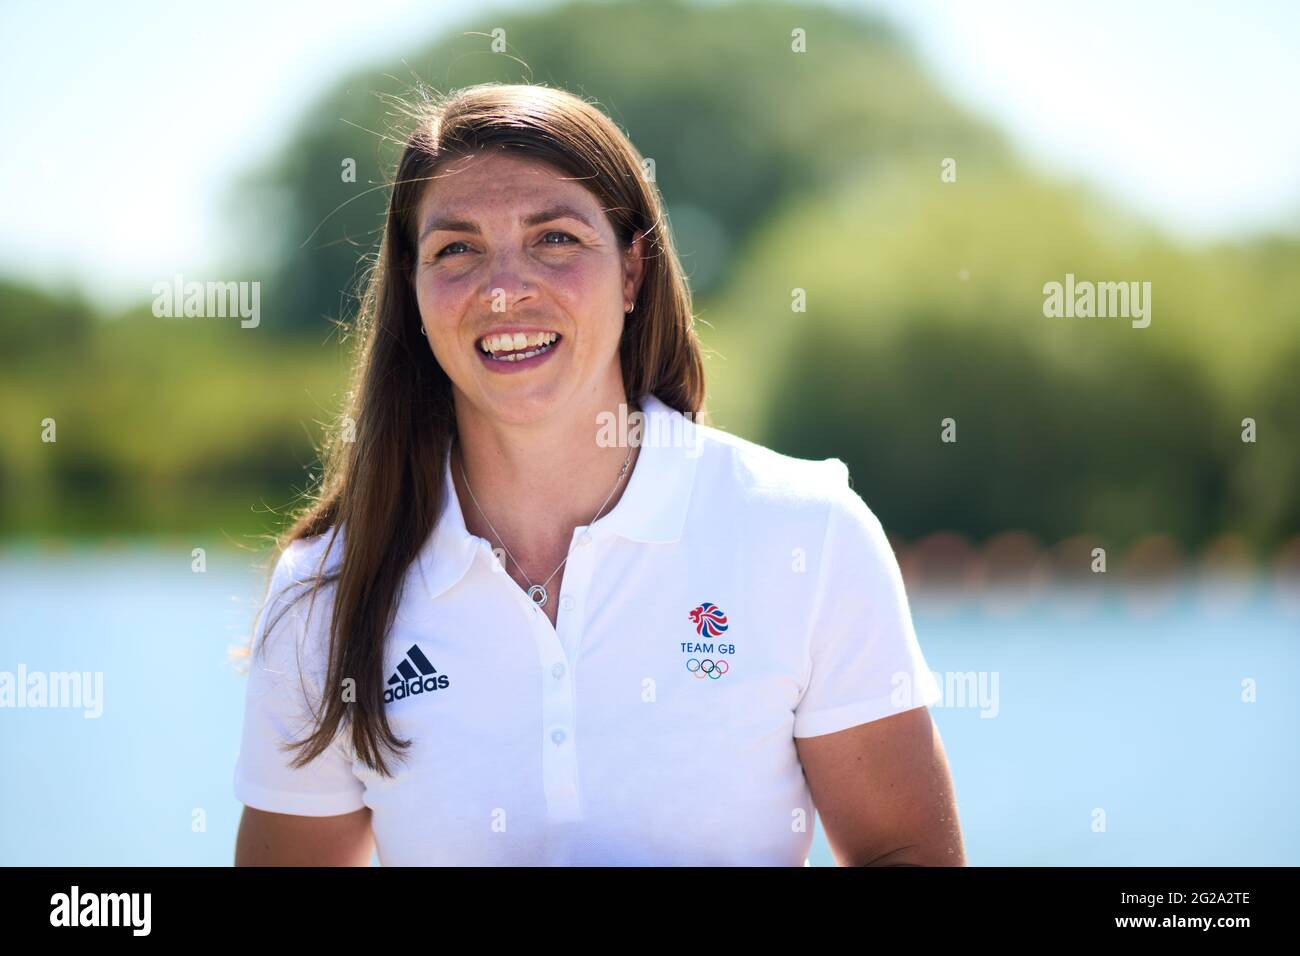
x=507 y=286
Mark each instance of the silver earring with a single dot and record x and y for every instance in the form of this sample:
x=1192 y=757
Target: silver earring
x=628 y=308
x=422 y=332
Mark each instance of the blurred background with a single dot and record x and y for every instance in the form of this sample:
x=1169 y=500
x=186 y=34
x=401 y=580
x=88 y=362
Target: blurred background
x=920 y=170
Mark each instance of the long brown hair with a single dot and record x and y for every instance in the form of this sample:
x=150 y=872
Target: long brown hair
x=386 y=483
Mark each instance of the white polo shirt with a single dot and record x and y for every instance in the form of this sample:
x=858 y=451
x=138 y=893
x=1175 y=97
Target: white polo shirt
x=733 y=599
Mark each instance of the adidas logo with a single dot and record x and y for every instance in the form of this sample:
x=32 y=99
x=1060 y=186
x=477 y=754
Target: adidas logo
x=414 y=679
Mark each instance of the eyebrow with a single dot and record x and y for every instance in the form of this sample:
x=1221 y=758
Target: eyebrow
x=445 y=224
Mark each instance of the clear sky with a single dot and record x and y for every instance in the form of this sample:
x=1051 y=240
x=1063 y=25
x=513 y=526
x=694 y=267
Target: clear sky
x=122 y=125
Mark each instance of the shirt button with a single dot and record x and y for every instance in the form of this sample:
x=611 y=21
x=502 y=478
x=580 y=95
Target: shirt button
x=585 y=539
x=558 y=736
x=566 y=603
x=558 y=671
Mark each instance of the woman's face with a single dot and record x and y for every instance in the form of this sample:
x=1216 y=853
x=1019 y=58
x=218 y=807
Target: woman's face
x=508 y=246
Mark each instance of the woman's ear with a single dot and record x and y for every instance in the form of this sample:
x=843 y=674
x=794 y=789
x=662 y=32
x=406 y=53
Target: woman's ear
x=633 y=269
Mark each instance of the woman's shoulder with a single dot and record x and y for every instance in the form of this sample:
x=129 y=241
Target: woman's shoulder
x=294 y=606
x=797 y=499
x=758 y=475
x=757 y=470
x=301 y=564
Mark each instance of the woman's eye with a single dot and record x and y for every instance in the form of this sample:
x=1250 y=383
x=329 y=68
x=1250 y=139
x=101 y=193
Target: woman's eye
x=444 y=251
x=447 y=250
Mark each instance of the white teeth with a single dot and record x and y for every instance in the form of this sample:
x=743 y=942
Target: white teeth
x=516 y=342
x=520 y=356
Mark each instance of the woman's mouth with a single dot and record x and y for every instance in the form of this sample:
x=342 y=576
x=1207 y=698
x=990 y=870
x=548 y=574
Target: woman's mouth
x=507 y=351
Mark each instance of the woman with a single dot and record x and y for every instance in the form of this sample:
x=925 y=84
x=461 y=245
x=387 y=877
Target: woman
x=542 y=613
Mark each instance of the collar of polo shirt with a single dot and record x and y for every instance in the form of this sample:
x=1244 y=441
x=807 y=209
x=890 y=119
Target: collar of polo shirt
x=652 y=509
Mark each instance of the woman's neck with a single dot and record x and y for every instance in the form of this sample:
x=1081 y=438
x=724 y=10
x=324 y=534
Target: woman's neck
x=536 y=482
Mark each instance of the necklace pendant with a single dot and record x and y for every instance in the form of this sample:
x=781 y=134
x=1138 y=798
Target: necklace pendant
x=537 y=594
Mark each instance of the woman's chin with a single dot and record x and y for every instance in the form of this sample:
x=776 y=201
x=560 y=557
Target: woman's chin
x=522 y=400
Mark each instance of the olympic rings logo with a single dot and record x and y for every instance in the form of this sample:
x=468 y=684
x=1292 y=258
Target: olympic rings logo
x=707 y=668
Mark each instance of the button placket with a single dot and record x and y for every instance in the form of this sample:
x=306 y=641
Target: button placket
x=558 y=723
x=573 y=591
x=556 y=648
x=559 y=770
x=559 y=696
x=559 y=753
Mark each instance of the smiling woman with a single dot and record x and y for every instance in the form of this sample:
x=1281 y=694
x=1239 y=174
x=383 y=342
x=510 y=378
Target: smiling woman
x=728 y=620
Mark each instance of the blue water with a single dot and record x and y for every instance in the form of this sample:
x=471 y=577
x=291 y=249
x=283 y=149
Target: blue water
x=1138 y=715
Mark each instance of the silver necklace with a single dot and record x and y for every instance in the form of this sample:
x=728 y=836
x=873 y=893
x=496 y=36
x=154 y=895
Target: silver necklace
x=537 y=592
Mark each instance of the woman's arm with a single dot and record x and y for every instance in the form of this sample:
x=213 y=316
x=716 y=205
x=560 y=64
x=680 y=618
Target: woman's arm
x=285 y=839
x=884 y=792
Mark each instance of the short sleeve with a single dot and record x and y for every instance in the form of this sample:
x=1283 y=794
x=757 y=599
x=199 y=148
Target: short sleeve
x=277 y=708
x=865 y=660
